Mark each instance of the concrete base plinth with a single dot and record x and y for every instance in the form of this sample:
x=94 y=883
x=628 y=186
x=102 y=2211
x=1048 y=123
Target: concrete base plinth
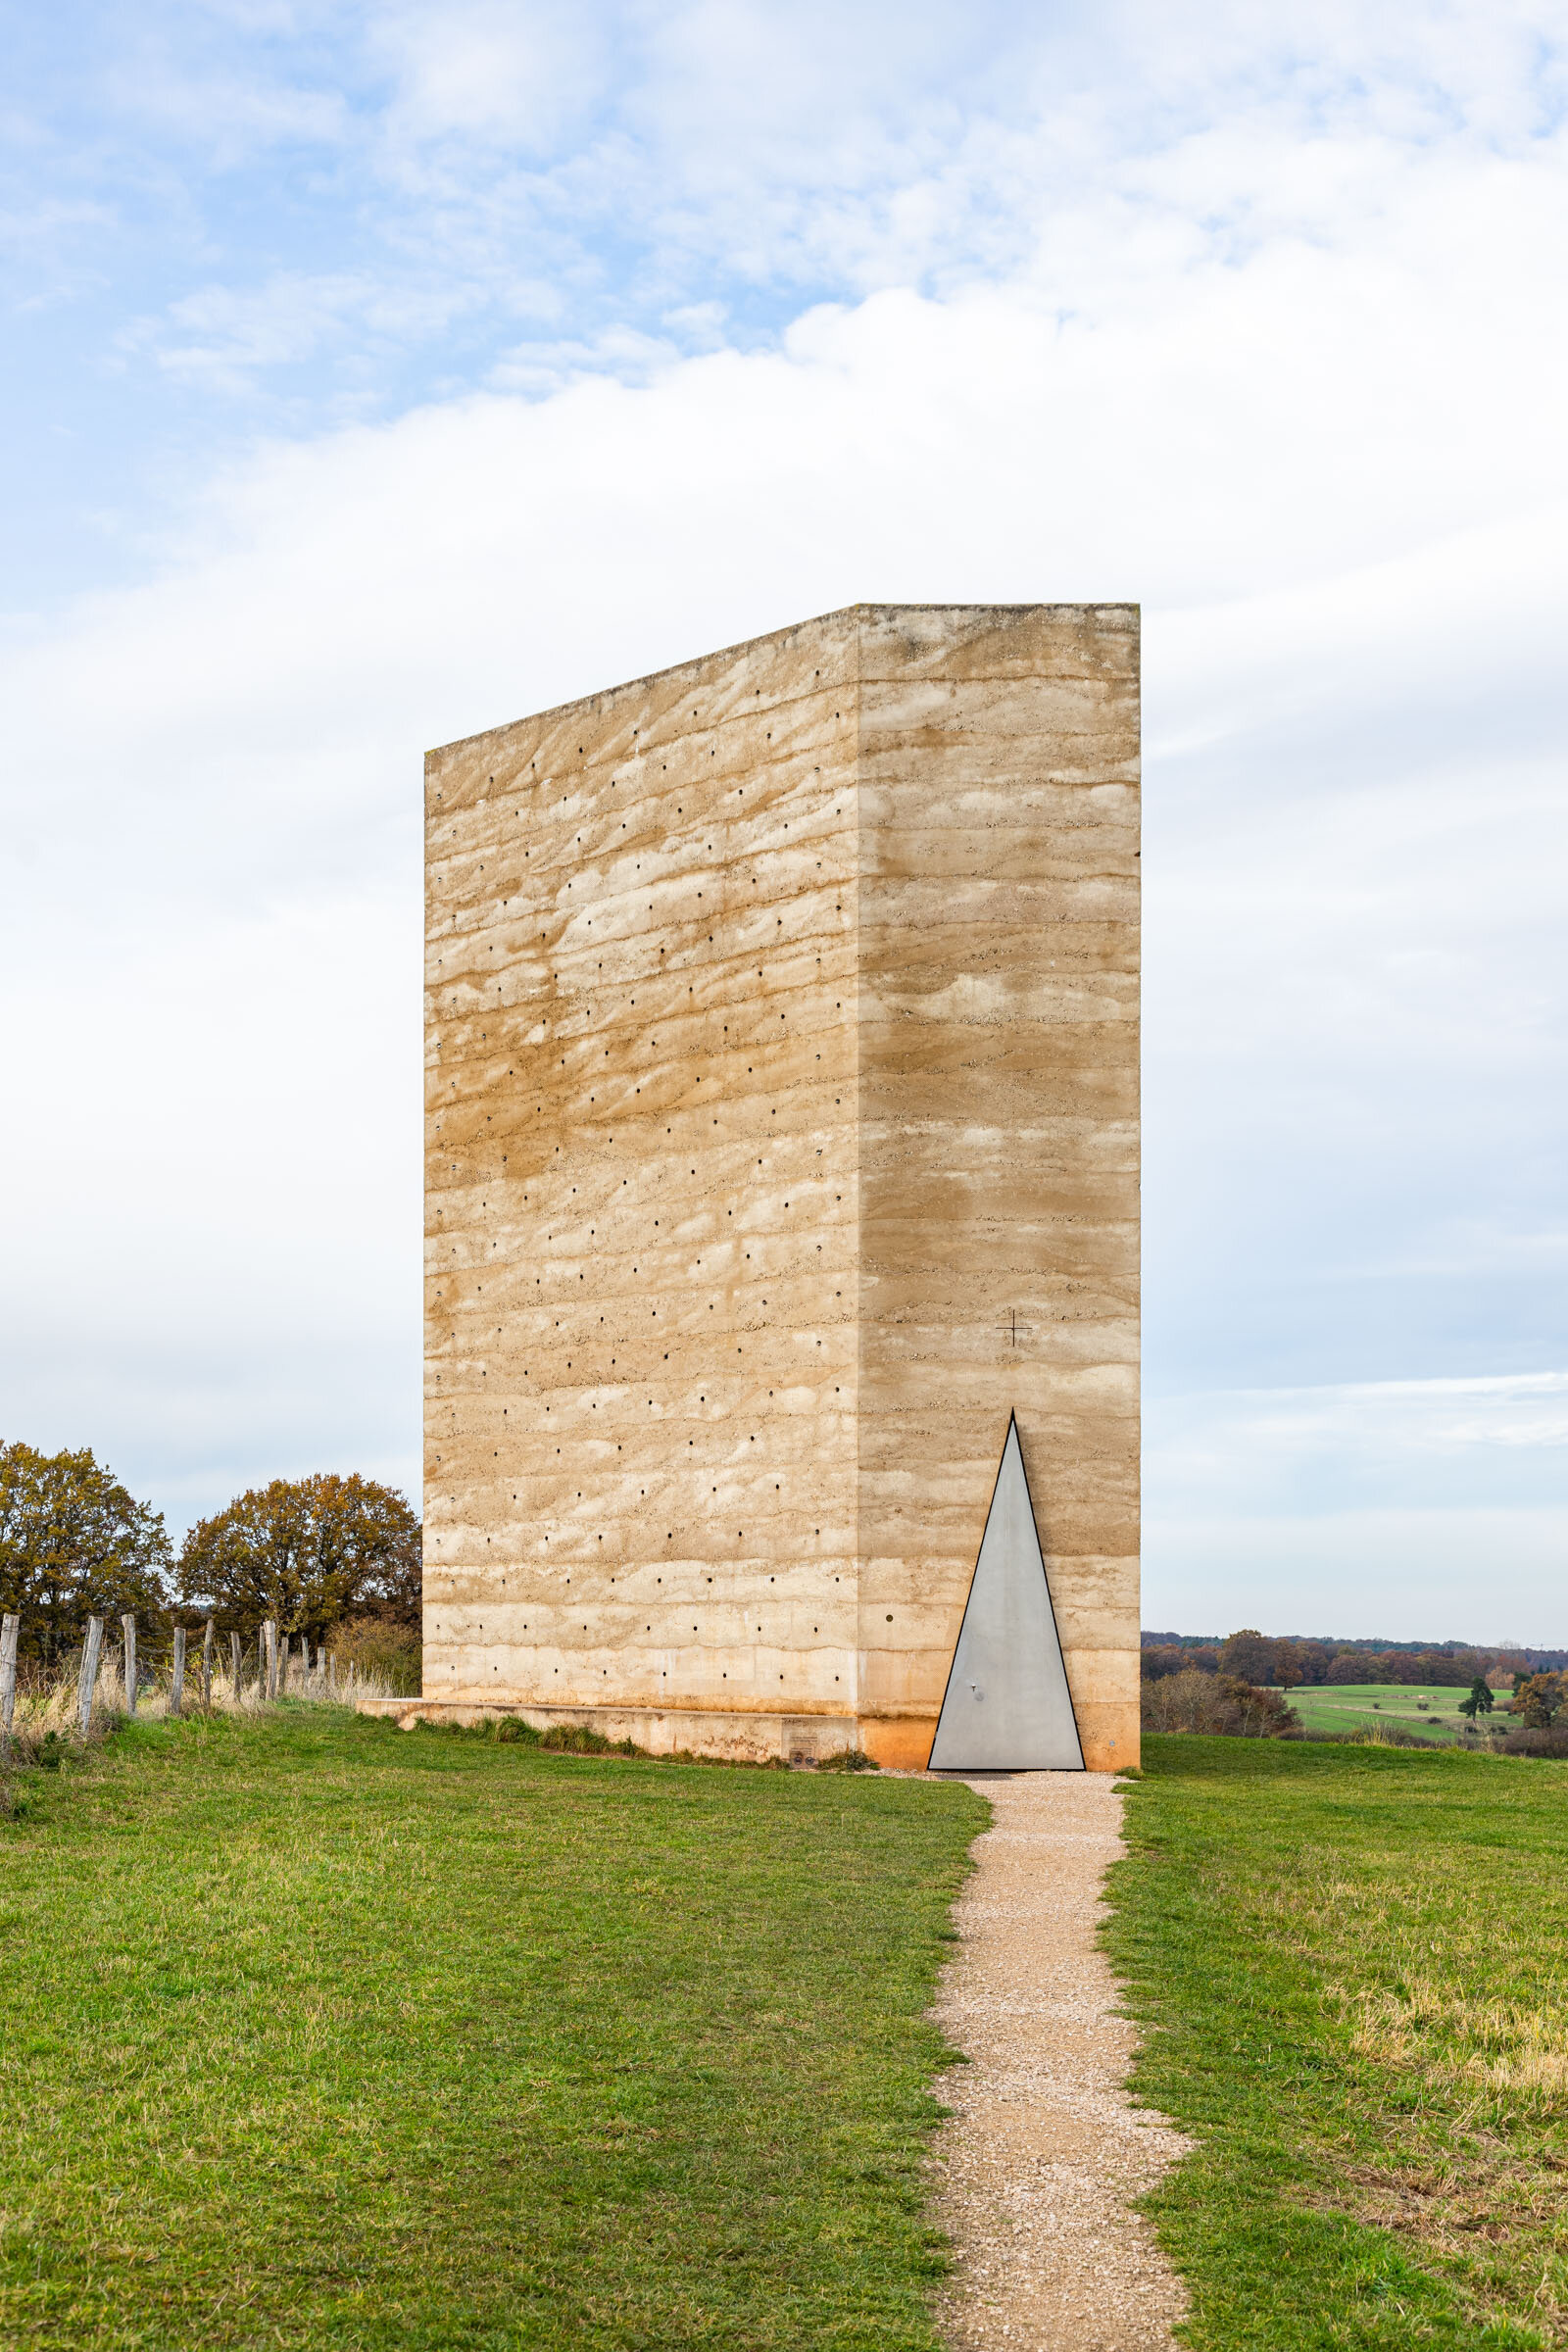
x=662 y=1731
x=898 y=1743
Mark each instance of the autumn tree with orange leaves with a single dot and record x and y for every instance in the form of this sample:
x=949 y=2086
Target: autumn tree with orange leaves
x=310 y=1552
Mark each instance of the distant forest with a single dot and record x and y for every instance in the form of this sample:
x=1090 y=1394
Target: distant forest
x=1289 y=1660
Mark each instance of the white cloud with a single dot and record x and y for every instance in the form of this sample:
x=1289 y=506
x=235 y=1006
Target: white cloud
x=1485 y=1575
x=643 y=160
x=40 y=235
x=488 y=66
x=1257 y=1438
x=223 y=336
x=213 y=1273
x=229 y=112
x=1407 y=1507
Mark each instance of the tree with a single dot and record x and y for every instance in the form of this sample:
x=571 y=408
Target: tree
x=1537 y=1699
x=309 y=1551
x=1311 y=1658
x=1190 y=1701
x=1249 y=1656
x=1479 y=1701
x=73 y=1543
x=1161 y=1658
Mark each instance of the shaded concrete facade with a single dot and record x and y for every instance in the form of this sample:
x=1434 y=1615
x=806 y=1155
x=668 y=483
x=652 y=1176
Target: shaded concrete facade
x=782 y=1138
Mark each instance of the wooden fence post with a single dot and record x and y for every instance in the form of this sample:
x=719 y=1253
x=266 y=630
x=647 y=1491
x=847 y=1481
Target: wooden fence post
x=208 y=1639
x=87 y=1680
x=234 y=1664
x=10 y=1631
x=177 y=1684
x=127 y=1662
x=269 y=1634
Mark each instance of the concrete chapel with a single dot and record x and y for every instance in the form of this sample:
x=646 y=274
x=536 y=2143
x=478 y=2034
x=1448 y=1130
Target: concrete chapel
x=782 y=1172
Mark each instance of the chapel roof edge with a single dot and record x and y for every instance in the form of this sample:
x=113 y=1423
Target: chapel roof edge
x=742 y=645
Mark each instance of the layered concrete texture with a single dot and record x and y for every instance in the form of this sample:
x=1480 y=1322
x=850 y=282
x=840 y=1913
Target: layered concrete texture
x=782 y=1043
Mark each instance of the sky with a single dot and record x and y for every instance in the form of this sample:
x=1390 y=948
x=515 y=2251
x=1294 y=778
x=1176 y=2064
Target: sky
x=373 y=376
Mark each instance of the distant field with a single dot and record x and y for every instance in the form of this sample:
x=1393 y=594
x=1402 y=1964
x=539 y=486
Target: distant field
x=324 y=2037
x=1362 y=1706
x=1355 y=1963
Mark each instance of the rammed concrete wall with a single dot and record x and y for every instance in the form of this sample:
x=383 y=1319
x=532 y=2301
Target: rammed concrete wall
x=783 y=1128
x=998 y=917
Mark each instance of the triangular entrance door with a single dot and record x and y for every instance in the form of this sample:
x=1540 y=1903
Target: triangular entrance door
x=1007 y=1707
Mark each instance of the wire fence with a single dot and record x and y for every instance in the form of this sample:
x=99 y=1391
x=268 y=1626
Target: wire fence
x=126 y=1679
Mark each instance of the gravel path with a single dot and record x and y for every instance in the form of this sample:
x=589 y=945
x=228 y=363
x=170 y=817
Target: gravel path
x=1044 y=2151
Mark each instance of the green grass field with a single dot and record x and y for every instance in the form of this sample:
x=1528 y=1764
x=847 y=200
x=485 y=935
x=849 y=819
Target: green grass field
x=1424 y=1709
x=1354 y=1965
x=320 y=2034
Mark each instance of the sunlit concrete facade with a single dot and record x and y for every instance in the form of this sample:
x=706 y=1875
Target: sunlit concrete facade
x=782 y=1052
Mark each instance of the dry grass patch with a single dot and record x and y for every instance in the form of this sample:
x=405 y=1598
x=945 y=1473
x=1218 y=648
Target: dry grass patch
x=1359 y=1960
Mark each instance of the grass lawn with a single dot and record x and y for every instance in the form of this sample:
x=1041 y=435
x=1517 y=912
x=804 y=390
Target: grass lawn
x=1355 y=1965
x=1426 y=1709
x=321 y=2033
